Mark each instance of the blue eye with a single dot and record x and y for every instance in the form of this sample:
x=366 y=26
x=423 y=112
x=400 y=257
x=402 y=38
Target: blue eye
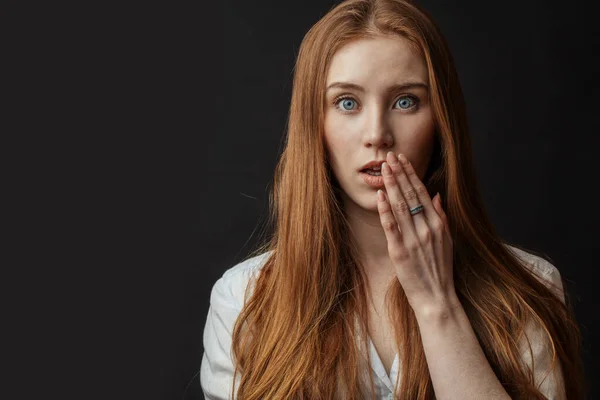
x=406 y=102
x=346 y=103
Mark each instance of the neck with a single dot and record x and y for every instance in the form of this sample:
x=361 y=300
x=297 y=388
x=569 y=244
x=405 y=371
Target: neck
x=365 y=226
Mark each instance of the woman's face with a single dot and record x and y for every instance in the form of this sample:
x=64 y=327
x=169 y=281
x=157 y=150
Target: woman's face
x=370 y=111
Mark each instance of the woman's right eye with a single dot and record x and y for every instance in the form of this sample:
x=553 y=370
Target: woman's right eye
x=345 y=103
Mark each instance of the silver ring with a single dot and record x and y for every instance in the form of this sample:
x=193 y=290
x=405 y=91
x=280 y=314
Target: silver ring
x=416 y=209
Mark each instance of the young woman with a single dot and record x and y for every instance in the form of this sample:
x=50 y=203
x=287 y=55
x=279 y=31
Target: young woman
x=384 y=278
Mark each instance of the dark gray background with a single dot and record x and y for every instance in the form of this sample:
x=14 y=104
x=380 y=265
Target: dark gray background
x=529 y=74
x=157 y=128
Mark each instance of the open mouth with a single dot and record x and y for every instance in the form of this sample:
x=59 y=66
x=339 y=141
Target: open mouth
x=372 y=172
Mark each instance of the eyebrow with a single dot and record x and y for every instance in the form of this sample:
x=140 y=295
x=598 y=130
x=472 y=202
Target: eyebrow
x=393 y=88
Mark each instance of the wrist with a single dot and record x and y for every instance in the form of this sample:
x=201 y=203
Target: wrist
x=439 y=310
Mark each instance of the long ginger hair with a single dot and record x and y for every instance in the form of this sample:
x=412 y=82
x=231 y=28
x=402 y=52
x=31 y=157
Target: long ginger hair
x=296 y=336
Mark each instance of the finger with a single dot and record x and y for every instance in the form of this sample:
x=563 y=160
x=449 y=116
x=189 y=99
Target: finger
x=440 y=210
x=411 y=196
x=421 y=191
x=390 y=225
x=399 y=205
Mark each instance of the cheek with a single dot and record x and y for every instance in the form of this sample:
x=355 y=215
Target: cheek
x=337 y=136
x=424 y=146
x=330 y=143
x=417 y=143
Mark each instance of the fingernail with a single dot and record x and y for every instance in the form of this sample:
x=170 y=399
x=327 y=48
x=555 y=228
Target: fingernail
x=380 y=195
x=385 y=168
x=402 y=158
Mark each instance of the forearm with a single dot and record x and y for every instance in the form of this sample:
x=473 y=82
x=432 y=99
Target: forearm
x=456 y=362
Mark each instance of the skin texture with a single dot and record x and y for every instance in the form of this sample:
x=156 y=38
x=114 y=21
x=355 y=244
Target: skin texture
x=376 y=124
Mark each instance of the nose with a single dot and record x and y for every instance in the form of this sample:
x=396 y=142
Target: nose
x=378 y=132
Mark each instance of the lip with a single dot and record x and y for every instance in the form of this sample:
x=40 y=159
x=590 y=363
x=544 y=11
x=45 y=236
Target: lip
x=375 y=182
x=372 y=164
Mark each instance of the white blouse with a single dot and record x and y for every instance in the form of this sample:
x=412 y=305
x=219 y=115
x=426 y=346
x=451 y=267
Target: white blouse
x=226 y=300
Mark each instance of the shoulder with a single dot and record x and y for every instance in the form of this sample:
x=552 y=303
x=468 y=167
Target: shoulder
x=536 y=350
x=231 y=286
x=542 y=269
x=226 y=301
x=537 y=264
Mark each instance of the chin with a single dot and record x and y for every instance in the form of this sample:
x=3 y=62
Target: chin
x=371 y=204
x=364 y=200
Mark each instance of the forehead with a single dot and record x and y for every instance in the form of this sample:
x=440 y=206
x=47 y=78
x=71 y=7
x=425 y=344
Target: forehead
x=379 y=60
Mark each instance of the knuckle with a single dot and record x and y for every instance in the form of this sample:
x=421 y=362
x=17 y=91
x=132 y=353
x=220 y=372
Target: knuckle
x=437 y=225
x=421 y=190
x=389 y=226
x=410 y=194
x=401 y=206
x=399 y=255
x=425 y=235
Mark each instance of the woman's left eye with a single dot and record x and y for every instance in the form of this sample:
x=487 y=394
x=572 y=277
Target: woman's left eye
x=407 y=102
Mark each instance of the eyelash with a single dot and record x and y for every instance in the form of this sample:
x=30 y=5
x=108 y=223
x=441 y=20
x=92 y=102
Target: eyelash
x=345 y=96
